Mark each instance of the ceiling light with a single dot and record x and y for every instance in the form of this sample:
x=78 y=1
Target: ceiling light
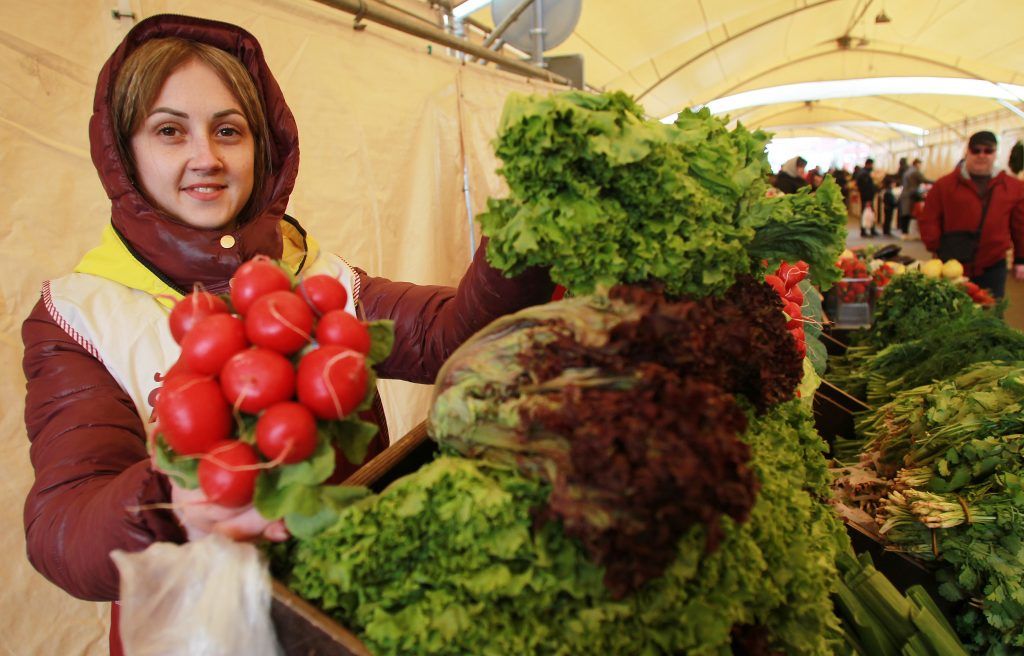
x=875 y=86
x=882 y=17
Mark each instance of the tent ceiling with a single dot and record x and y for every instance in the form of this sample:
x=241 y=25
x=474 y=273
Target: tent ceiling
x=683 y=53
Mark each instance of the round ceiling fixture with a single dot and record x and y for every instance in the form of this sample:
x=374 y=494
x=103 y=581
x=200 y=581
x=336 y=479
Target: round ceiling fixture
x=558 y=20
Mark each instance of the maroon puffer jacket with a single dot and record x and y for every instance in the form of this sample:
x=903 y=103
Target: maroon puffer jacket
x=93 y=478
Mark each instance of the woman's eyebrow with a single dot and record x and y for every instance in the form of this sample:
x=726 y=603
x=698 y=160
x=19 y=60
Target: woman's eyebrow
x=173 y=112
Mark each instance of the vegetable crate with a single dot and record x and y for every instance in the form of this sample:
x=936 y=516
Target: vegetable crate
x=305 y=630
x=851 y=302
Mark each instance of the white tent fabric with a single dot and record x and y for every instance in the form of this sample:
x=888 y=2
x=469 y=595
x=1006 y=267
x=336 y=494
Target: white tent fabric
x=387 y=123
x=673 y=55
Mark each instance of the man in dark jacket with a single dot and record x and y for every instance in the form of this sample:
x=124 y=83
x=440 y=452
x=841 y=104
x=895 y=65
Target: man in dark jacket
x=867 y=188
x=977 y=198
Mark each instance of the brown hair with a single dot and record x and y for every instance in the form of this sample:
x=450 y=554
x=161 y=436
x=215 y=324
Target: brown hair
x=143 y=75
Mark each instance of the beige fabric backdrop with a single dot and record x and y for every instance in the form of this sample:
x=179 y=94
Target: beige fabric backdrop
x=386 y=123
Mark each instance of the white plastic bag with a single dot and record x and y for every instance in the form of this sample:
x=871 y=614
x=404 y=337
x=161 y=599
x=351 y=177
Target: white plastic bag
x=210 y=597
x=867 y=219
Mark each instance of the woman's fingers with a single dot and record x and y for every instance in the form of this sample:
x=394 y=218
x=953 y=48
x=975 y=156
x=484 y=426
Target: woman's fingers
x=250 y=525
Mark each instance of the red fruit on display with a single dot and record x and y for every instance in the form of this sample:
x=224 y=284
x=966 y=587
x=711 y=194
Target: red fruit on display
x=323 y=293
x=211 y=342
x=339 y=328
x=331 y=381
x=227 y=474
x=193 y=414
x=280 y=321
x=287 y=431
x=257 y=378
x=191 y=309
x=254 y=279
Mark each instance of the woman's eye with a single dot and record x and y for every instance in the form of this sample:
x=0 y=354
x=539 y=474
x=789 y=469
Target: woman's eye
x=167 y=131
x=229 y=132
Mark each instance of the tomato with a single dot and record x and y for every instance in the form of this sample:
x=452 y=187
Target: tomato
x=287 y=429
x=256 y=378
x=339 y=328
x=331 y=381
x=255 y=278
x=193 y=414
x=189 y=310
x=227 y=474
x=323 y=293
x=211 y=342
x=280 y=321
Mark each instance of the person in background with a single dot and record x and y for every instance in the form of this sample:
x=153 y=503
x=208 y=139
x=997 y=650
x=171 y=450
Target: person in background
x=1016 y=160
x=912 y=180
x=889 y=203
x=977 y=198
x=198 y=152
x=816 y=179
x=791 y=175
x=867 y=188
x=901 y=169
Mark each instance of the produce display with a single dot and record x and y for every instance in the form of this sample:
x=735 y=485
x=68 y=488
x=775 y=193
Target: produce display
x=451 y=559
x=628 y=469
x=269 y=383
x=935 y=468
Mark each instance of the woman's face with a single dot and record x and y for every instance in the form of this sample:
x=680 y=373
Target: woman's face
x=194 y=151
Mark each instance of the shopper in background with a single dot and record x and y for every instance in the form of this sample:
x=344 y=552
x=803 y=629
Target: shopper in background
x=791 y=175
x=975 y=214
x=867 y=188
x=889 y=202
x=912 y=180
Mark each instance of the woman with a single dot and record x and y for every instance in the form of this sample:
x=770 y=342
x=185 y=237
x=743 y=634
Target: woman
x=198 y=152
x=791 y=175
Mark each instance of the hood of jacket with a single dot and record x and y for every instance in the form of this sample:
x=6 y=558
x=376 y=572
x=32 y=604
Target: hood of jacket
x=181 y=254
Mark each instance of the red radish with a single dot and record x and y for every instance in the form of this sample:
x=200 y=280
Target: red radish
x=323 y=293
x=794 y=295
x=255 y=278
x=227 y=474
x=256 y=378
x=776 y=283
x=211 y=342
x=331 y=381
x=193 y=414
x=287 y=431
x=189 y=310
x=339 y=328
x=280 y=321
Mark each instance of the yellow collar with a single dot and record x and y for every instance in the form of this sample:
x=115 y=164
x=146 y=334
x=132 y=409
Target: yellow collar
x=112 y=260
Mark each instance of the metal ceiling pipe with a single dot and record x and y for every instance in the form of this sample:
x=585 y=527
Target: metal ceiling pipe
x=379 y=12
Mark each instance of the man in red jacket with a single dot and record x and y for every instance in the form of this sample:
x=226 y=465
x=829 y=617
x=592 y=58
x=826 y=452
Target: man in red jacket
x=976 y=198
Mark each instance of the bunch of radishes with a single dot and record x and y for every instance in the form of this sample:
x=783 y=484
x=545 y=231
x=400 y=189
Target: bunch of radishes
x=785 y=281
x=253 y=379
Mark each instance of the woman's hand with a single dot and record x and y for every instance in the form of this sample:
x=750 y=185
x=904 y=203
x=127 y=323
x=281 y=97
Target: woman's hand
x=200 y=517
